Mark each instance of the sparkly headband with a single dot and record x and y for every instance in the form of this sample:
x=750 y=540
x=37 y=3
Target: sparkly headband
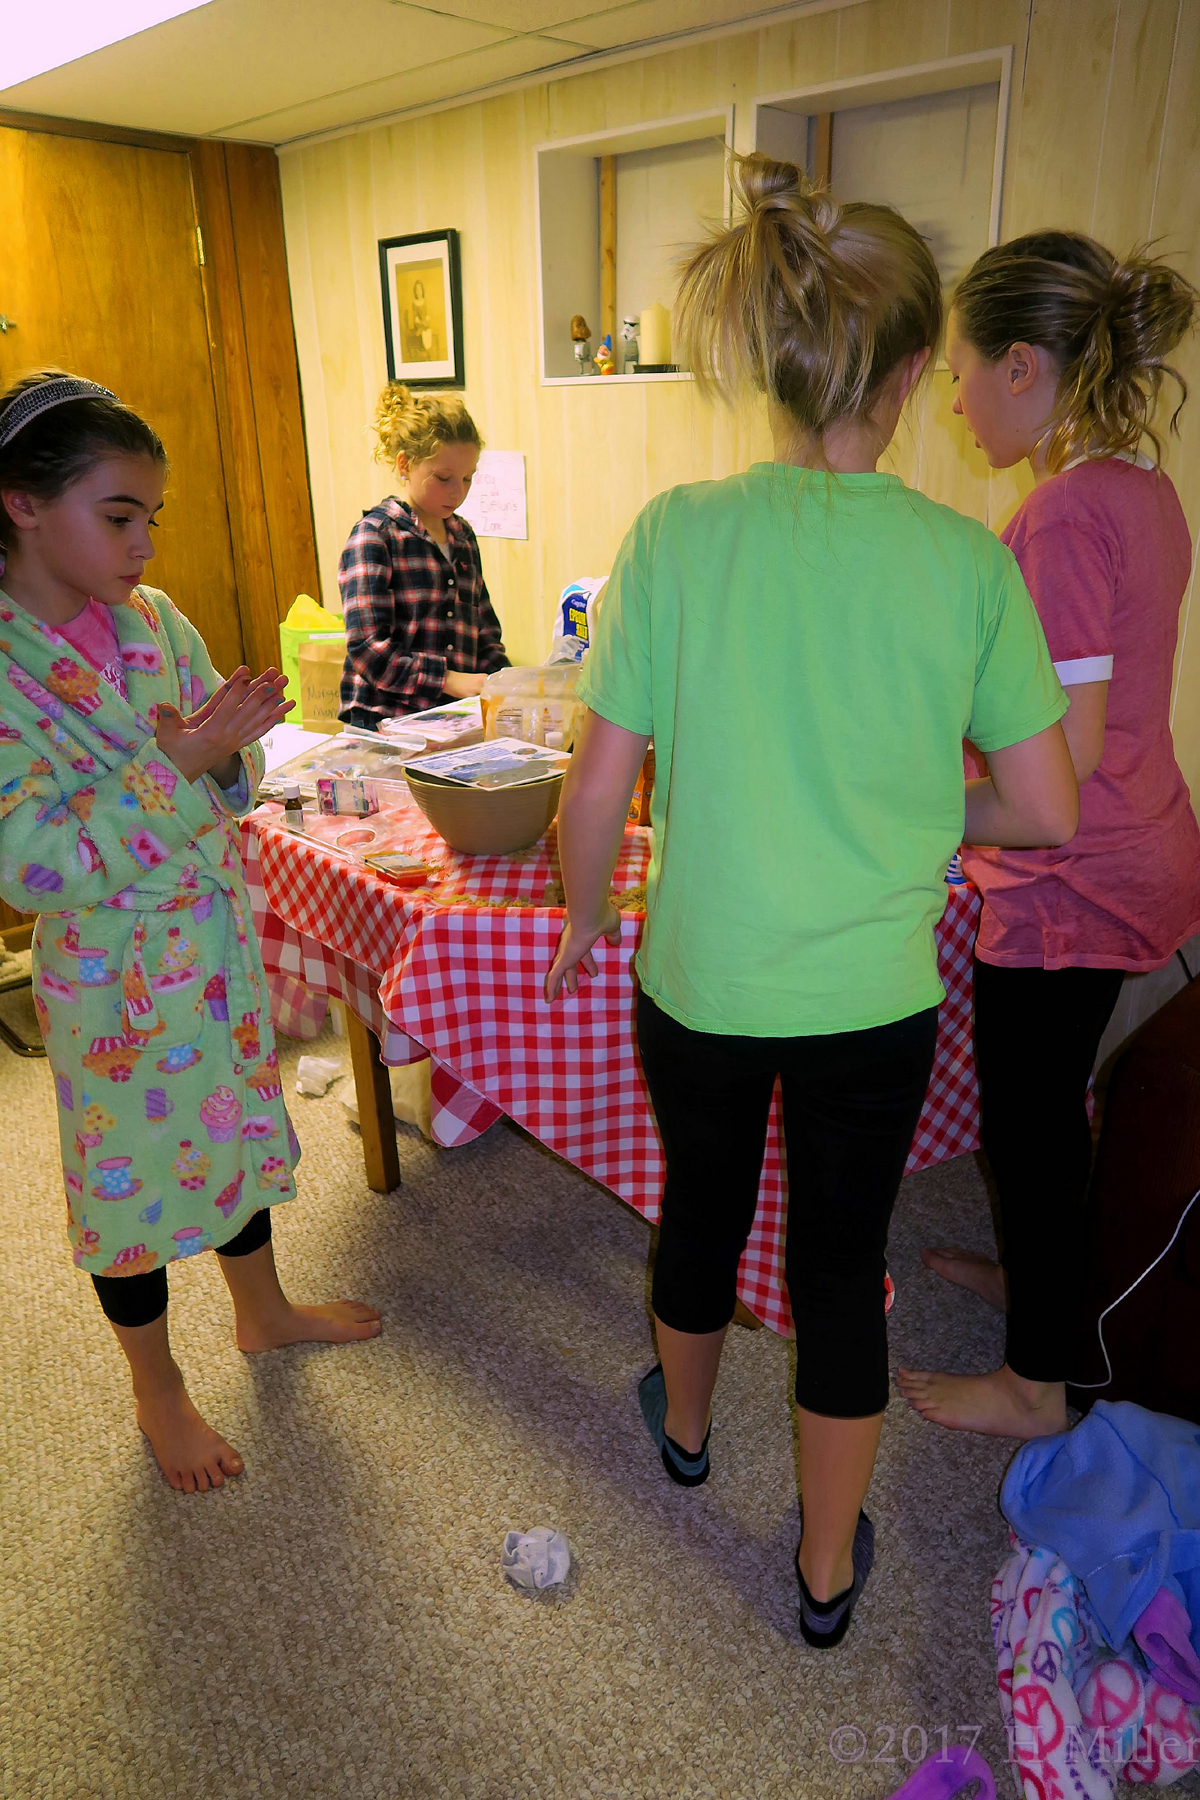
x=36 y=400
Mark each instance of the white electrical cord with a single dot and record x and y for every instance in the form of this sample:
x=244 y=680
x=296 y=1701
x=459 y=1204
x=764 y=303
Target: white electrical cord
x=1100 y=1321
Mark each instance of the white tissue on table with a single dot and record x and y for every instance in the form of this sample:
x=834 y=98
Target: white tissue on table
x=536 y=1559
x=314 y=1074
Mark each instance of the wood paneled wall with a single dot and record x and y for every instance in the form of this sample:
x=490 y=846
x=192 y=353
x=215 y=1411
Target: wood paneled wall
x=1103 y=137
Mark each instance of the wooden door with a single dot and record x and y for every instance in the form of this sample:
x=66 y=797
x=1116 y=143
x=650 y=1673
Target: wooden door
x=100 y=274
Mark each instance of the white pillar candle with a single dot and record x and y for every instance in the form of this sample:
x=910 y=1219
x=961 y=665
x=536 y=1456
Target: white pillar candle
x=654 y=338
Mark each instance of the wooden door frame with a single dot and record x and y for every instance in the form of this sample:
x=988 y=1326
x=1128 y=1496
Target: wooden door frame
x=252 y=354
x=255 y=375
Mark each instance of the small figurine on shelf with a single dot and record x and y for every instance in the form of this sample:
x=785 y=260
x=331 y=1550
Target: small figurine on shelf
x=581 y=338
x=605 y=361
x=629 y=337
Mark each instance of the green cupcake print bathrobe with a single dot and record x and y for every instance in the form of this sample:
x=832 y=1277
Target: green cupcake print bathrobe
x=148 y=981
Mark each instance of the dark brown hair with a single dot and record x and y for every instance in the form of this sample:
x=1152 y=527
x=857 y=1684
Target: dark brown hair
x=63 y=444
x=807 y=301
x=1109 y=326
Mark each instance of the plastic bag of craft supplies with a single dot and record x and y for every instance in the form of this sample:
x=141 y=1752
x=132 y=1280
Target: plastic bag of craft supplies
x=306 y=623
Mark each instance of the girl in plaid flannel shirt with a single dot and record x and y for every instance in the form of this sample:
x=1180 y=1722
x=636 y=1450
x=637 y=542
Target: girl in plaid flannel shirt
x=420 y=629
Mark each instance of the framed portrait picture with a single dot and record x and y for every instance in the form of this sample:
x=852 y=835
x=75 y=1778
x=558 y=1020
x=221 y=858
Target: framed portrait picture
x=422 y=309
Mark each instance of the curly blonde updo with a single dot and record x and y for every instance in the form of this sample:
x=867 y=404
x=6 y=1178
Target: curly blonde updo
x=417 y=425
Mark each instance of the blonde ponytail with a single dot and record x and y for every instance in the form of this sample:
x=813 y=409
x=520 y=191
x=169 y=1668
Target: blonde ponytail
x=1109 y=326
x=807 y=301
x=417 y=425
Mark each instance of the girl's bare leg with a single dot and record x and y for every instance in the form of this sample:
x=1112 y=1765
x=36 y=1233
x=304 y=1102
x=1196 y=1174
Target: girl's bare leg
x=837 y=1458
x=970 y=1269
x=191 y=1455
x=690 y=1361
x=266 y=1318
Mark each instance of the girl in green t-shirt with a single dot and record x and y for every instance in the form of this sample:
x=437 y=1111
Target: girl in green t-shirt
x=807 y=644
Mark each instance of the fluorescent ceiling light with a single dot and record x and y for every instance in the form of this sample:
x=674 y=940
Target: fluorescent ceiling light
x=54 y=32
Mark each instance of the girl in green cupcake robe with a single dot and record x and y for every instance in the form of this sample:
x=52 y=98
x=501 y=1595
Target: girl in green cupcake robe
x=124 y=761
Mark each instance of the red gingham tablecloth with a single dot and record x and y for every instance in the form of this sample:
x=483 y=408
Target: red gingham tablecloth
x=462 y=984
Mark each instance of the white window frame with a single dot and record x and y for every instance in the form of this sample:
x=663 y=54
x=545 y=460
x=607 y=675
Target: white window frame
x=685 y=128
x=911 y=83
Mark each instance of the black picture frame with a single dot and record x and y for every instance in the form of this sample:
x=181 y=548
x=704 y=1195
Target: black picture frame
x=424 y=322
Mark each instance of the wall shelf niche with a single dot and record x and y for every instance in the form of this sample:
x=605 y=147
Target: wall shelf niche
x=615 y=210
x=928 y=139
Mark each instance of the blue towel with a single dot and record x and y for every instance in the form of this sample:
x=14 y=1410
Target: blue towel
x=1118 y=1499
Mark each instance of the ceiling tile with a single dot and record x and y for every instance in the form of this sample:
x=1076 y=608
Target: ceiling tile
x=609 y=28
x=413 y=87
x=526 y=15
x=232 y=60
x=275 y=69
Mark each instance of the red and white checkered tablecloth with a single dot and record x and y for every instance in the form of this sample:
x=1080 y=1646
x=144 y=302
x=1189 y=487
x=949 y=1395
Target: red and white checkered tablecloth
x=462 y=984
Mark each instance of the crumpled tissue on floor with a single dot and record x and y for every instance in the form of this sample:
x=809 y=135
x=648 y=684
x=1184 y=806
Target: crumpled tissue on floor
x=537 y=1559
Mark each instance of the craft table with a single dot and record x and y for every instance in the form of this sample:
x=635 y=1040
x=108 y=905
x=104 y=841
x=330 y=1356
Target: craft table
x=461 y=982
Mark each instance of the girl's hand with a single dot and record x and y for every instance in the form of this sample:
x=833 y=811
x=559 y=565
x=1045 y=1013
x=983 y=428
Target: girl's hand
x=575 y=952
x=234 y=715
x=462 y=687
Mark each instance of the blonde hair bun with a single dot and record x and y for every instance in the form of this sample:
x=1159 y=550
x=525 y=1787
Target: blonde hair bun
x=417 y=425
x=1109 y=325
x=811 y=302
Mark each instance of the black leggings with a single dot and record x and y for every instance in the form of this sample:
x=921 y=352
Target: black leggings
x=140 y=1299
x=1036 y=1036
x=851 y=1101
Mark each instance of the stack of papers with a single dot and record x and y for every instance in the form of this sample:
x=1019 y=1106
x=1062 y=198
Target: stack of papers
x=502 y=762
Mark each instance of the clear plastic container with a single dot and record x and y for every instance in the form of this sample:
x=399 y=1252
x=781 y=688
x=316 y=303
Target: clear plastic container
x=536 y=705
x=360 y=759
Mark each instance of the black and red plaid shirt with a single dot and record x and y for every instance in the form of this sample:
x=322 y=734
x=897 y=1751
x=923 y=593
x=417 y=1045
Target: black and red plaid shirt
x=413 y=611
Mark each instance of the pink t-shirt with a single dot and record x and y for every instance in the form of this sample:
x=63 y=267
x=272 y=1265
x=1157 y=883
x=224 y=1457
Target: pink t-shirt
x=1105 y=552
x=93 y=632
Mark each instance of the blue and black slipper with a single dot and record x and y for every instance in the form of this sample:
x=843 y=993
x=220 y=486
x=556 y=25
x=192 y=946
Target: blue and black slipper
x=681 y=1465
x=824 y=1623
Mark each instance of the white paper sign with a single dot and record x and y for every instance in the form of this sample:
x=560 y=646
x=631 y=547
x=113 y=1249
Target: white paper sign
x=495 y=506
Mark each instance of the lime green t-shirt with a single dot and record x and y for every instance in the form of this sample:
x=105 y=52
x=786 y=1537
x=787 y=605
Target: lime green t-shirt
x=808 y=652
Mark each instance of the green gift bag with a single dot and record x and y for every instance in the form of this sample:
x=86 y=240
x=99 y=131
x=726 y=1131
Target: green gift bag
x=305 y=621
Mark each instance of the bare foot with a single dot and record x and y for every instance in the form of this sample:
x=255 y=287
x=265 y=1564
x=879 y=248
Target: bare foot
x=971 y=1270
x=998 y=1405
x=191 y=1455
x=340 y=1322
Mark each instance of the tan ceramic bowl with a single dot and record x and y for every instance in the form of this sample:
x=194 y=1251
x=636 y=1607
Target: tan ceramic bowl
x=488 y=821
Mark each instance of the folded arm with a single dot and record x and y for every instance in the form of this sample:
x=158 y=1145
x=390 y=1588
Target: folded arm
x=1083 y=725
x=1029 y=797
x=64 y=851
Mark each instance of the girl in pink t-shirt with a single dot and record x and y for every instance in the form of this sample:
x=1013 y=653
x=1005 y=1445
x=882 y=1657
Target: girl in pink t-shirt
x=1059 y=352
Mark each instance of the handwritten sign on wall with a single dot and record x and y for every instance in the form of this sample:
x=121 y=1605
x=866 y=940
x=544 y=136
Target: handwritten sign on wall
x=495 y=506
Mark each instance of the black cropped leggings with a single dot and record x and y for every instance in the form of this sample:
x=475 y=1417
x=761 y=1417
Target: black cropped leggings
x=1037 y=1032
x=140 y=1299
x=851 y=1101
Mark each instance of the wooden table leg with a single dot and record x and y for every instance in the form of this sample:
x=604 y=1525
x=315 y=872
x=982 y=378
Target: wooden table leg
x=373 y=1090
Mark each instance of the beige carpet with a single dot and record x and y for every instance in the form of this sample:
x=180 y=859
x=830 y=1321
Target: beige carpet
x=335 y=1624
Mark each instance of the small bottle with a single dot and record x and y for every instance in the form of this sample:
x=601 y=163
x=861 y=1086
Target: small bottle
x=293 y=806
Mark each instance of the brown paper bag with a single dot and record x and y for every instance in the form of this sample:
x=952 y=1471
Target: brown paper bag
x=321 y=662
